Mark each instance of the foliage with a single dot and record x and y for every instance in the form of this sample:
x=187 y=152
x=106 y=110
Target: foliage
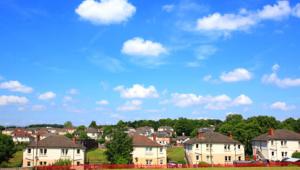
x=45 y=125
x=69 y=135
x=1 y=128
x=62 y=162
x=7 y=147
x=296 y=155
x=15 y=161
x=101 y=140
x=119 y=149
x=96 y=156
x=176 y=154
x=68 y=124
x=93 y=125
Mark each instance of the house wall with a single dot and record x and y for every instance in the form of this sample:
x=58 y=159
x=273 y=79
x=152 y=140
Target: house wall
x=215 y=154
x=93 y=135
x=163 y=141
x=52 y=155
x=140 y=155
x=21 y=139
x=280 y=148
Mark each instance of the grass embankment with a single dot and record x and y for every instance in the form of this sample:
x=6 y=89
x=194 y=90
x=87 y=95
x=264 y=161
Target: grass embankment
x=15 y=161
x=96 y=156
x=176 y=154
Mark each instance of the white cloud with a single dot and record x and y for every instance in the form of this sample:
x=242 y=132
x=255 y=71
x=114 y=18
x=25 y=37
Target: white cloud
x=242 y=100
x=219 y=102
x=73 y=91
x=168 y=7
x=238 y=74
x=105 y=12
x=47 y=96
x=244 y=19
x=281 y=106
x=137 y=91
x=7 y=100
x=283 y=83
x=15 y=86
x=38 y=107
x=139 y=47
x=296 y=10
x=102 y=102
x=130 y=106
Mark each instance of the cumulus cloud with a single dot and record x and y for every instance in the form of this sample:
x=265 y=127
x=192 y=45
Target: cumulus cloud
x=245 y=19
x=7 y=100
x=15 y=86
x=47 y=95
x=139 y=47
x=137 y=91
x=238 y=74
x=102 y=102
x=73 y=91
x=105 y=12
x=218 y=102
x=282 y=106
x=130 y=106
x=280 y=82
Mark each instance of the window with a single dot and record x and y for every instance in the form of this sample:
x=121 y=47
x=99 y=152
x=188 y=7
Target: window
x=149 y=149
x=43 y=151
x=239 y=146
x=225 y=158
x=197 y=157
x=160 y=150
x=207 y=158
x=197 y=145
x=28 y=150
x=45 y=163
x=272 y=142
x=161 y=161
x=240 y=158
x=78 y=151
x=77 y=163
x=41 y=163
x=28 y=163
x=272 y=153
x=282 y=154
x=148 y=162
x=64 y=151
x=229 y=158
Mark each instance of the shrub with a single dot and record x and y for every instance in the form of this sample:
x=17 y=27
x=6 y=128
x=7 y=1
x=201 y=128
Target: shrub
x=296 y=155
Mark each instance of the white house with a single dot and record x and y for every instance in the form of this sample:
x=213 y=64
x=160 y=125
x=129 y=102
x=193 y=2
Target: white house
x=148 y=152
x=51 y=149
x=92 y=133
x=213 y=148
x=276 y=145
x=21 y=136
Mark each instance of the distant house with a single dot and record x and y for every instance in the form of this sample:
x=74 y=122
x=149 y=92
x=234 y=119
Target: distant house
x=21 y=136
x=179 y=140
x=276 y=144
x=93 y=133
x=162 y=138
x=49 y=150
x=213 y=148
x=148 y=152
x=8 y=131
x=145 y=131
x=166 y=129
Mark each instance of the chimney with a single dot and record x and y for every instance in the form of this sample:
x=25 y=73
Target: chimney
x=271 y=132
x=200 y=135
x=154 y=137
x=74 y=140
x=230 y=135
x=38 y=137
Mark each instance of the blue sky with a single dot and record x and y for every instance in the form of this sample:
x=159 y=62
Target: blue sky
x=107 y=60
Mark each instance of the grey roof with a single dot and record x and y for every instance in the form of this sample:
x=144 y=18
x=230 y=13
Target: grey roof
x=279 y=134
x=212 y=137
x=55 y=141
x=162 y=134
x=91 y=130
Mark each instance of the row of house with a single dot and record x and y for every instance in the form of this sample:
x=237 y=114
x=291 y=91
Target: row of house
x=150 y=147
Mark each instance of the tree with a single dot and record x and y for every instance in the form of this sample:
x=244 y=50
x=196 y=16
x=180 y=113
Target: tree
x=119 y=149
x=296 y=155
x=93 y=125
x=69 y=135
x=1 y=128
x=68 y=124
x=7 y=147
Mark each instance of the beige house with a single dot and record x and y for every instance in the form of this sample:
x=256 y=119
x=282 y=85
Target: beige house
x=213 y=148
x=47 y=151
x=148 y=152
x=276 y=145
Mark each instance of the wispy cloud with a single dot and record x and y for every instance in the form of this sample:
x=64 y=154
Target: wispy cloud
x=15 y=86
x=108 y=63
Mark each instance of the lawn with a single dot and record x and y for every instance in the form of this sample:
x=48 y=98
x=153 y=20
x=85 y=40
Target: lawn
x=96 y=156
x=176 y=154
x=15 y=161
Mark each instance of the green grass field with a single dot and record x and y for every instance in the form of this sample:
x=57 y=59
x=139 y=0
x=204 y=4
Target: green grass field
x=176 y=154
x=15 y=161
x=96 y=156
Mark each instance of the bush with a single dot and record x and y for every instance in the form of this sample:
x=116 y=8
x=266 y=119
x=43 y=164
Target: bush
x=62 y=162
x=296 y=155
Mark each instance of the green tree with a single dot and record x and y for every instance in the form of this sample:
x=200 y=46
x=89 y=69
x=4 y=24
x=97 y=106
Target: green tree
x=119 y=149
x=296 y=155
x=1 y=128
x=69 y=135
x=93 y=125
x=68 y=124
x=7 y=147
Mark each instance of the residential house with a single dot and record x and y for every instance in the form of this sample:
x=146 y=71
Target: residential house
x=148 y=152
x=21 y=136
x=51 y=149
x=162 y=138
x=145 y=131
x=213 y=148
x=92 y=133
x=179 y=140
x=166 y=129
x=8 y=131
x=276 y=144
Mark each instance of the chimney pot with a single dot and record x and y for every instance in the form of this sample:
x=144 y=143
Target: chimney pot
x=271 y=132
x=230 y=135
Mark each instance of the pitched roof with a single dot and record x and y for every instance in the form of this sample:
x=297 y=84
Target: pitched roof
x=279 y=134
x=56 y=141
x=91 y=130
x=212 y=137
x=143 y=141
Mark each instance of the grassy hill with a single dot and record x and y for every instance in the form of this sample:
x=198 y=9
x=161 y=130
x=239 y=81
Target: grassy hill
x=15 y=161
x=96 y=156
x=176 y=154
